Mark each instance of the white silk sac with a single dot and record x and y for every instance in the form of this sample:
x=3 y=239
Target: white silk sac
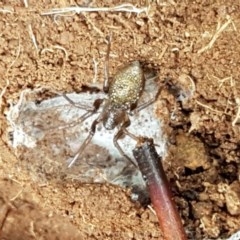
x=47 y=135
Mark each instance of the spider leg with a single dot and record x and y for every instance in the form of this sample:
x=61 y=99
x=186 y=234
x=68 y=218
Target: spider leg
x=106 y=66
x=86 y=141
x=131 y=135
x=78 y=105
x=74 y=123
x=97 y=103
x=148 y=103
x=118 y=135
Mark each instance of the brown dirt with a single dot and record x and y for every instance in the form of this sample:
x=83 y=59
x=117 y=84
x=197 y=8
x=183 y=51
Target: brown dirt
x=203 y=161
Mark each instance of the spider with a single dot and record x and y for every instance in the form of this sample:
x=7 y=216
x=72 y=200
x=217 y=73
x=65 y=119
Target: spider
x=123 y=92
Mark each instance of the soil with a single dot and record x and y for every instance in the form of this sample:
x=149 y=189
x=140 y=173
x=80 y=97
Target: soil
x=194 y=47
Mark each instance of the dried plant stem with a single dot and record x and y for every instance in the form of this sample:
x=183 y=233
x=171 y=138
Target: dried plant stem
x=152 y=170
x=2 y=10
x=95 y=66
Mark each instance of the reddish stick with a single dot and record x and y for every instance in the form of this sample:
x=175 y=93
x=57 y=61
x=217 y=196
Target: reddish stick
x=153 y=173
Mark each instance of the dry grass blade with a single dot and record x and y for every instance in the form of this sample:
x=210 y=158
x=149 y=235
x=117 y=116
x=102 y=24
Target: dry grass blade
x=4 y=10
x=127 y=7
x=236 y=119
x=220 y=29
x=32 y=36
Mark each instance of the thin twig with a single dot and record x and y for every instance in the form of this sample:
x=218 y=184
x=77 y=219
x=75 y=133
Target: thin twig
x=19 y=192
x=88 y=20
x=210 y=108
x=32 y=229
x=163 y=52
x=224 y=80
x=25 y=3
x=218 y=32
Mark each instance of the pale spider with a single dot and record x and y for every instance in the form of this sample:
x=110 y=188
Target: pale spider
x=123 y=91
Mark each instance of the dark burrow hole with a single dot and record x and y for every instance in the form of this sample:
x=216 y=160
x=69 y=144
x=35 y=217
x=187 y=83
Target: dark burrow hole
x=189 y=172
x=229 y=171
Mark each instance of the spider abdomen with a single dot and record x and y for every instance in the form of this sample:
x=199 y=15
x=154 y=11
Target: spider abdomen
x=126 y=86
